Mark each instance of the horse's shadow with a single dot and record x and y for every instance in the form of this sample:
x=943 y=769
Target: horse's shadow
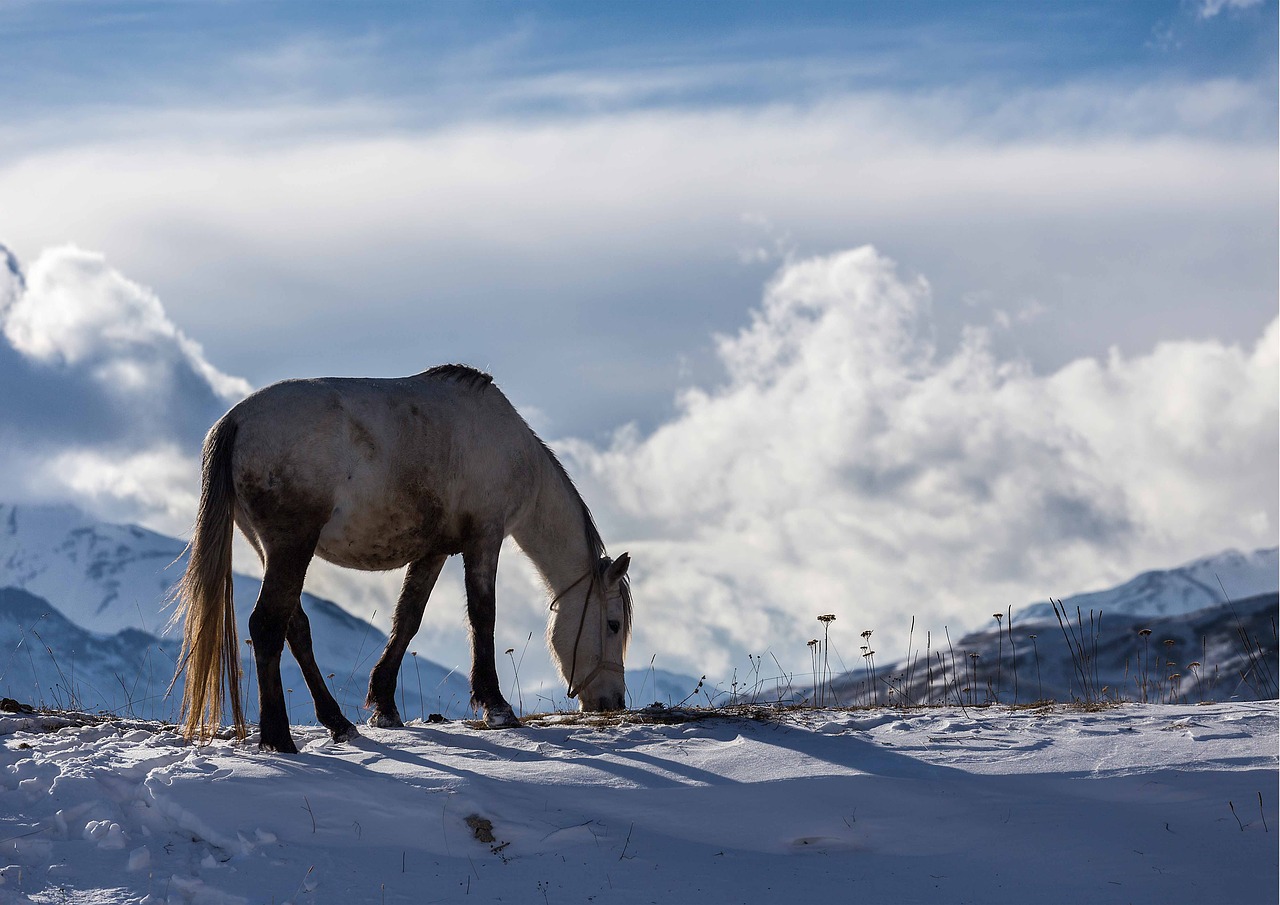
x=619 y=758
x=585 y=755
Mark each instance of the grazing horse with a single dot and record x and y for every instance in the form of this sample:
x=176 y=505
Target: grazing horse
x=377 y=474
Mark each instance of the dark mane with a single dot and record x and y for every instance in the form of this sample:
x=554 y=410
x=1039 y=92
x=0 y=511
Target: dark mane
x=463 y=374
x=594 y=542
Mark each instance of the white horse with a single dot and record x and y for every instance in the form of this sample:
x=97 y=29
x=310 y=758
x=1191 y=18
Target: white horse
x=377 y=474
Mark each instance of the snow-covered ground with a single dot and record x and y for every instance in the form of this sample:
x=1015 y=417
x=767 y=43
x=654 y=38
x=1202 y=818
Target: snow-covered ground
x=1127 y=804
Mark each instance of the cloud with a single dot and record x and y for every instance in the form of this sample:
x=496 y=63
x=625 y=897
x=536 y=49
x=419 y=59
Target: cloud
x=846 y=466
x=843 y=463
x=106 y=400
x=1210 y=8
x=484 y=241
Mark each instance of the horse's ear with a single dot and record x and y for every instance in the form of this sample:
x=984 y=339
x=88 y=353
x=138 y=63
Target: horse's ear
x=617 y=569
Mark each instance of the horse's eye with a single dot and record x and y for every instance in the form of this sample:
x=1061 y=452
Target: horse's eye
x=615 y=626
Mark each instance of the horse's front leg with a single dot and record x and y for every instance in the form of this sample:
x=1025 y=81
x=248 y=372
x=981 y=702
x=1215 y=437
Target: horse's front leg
x=480 y=564
x=419 y=581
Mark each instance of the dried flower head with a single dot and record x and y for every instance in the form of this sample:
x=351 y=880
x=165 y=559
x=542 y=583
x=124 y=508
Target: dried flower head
x=829 y=617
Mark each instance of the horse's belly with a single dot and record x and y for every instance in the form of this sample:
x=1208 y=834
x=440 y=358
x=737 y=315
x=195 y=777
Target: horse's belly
x=373 y=539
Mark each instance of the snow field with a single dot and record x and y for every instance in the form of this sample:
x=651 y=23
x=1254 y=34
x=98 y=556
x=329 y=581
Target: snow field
x=1127 y=804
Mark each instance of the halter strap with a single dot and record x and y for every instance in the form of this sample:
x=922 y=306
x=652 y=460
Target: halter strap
x=583 y=577
x=574 y=688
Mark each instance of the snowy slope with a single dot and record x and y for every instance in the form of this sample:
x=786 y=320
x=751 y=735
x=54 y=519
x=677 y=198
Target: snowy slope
x=93 y=589
x=101 y=576
x=1188 y=588
x=1191 y=657
x=1210 y=659
x=48 y=661
x=1143 y=803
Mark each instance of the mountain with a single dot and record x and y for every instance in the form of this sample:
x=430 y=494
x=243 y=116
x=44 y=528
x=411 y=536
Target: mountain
x=82 y=618
x=1164 y=636
x=1188 y=588
x=1221 y=653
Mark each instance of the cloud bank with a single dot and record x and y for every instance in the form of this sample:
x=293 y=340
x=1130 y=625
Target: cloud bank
x=529 y=246
x=105 y=399
x=845 y=466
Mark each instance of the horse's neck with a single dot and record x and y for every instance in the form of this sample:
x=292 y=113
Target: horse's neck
x=554 y=536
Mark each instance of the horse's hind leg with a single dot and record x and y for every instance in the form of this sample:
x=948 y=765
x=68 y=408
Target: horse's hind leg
x=419 y=581
x=268 y=627
x=327 y=709
x=481 y=567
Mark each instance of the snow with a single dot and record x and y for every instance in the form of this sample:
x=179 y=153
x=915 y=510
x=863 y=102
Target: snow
x=1125 y=804
x=83 y=605
x=1210 y=581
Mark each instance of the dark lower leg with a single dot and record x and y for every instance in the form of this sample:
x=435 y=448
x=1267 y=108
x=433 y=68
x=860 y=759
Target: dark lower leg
x=481 y=572
x=273 y=719
x=327 y=709
x=269 y=626
x=418 y=584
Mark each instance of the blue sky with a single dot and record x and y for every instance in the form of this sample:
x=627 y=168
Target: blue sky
x=433 y=64
x=653 y=223
x=116 y=52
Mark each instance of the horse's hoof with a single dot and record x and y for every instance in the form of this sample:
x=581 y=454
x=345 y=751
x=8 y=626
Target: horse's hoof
x=350 y=733
x=380 y=720
x=284 y=747
x=501 y=718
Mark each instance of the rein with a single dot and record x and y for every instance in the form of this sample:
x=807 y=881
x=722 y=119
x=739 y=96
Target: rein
x=573 y=689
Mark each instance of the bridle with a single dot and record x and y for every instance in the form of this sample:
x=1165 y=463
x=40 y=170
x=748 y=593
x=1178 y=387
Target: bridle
x=602 y=666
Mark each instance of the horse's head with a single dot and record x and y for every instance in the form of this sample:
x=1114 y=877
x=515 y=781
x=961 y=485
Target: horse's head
x=589 y=632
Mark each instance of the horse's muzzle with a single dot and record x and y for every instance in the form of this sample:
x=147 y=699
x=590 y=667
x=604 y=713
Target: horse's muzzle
x=607 y=702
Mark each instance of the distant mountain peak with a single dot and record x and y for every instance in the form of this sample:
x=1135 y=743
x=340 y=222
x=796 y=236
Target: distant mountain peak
x=96 y=593
x=1200 y=583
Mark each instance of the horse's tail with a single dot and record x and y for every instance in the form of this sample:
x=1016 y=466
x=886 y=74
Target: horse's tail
x=210 y=648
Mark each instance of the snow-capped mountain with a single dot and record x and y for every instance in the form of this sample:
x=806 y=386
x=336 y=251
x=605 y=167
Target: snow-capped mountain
x=1184 y=658
x=1171 y=592
x=1164 y=636
x=83 y=611
x=101 y=576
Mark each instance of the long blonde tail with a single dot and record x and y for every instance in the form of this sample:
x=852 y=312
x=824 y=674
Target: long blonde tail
x=210 y=647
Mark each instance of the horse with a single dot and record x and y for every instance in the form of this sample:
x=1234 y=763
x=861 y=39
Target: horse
x=376 y=474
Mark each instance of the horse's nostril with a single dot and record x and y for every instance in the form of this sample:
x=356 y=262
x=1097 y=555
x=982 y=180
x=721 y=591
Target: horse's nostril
x=615 y=626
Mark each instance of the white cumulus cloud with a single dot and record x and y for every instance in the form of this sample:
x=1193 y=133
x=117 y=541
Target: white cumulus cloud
x=76 y=311
x=846 y=466
x=106 y=399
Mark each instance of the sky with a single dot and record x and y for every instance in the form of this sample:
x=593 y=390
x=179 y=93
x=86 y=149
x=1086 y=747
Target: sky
x=874 y=309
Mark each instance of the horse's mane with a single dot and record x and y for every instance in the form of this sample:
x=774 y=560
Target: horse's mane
x=595 y=543
x=464 y=374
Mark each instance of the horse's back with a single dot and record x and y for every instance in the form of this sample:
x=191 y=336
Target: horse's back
x=392 y=468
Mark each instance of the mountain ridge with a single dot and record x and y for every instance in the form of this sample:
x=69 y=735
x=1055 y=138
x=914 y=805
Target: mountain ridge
x=1200 y=583
x=89 y=583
